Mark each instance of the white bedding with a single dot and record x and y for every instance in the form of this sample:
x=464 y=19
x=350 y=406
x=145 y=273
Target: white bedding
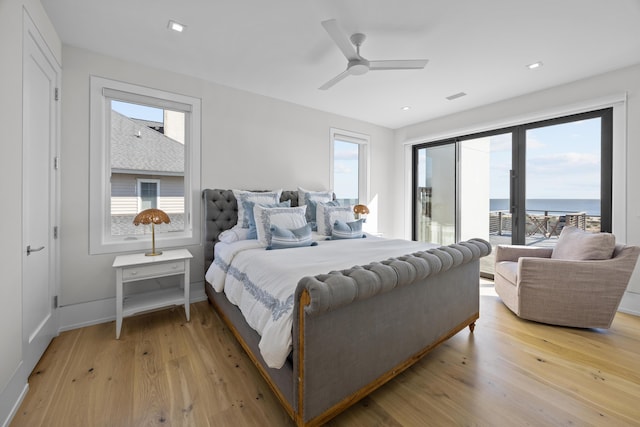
x=262 y=283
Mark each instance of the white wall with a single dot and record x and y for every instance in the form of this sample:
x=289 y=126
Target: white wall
x=248 y=141
x=568 y=98
x=12 y=380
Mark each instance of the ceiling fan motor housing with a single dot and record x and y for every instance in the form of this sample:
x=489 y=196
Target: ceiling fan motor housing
x=358 y=67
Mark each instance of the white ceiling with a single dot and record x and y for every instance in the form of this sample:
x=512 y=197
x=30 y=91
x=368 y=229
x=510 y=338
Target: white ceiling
x=278 y=48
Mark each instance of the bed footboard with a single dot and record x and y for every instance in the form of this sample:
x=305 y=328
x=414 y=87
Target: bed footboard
x=356 y=329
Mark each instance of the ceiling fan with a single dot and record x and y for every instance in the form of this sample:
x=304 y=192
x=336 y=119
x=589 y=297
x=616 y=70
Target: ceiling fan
x=358 y=65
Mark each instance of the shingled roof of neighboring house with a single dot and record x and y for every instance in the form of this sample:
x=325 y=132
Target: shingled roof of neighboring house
x=149 y=152
x=149 y=123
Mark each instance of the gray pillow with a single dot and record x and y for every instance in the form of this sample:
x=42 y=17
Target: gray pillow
x=578 y=245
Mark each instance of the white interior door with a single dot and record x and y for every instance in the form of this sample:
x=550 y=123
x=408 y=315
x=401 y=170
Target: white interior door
x=40 y=77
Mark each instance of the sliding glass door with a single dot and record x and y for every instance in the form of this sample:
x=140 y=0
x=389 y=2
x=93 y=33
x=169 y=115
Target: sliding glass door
x=518 y=185
x=435 y=194
x=485 y=169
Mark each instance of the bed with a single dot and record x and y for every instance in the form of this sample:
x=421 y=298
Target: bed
x=405 y=299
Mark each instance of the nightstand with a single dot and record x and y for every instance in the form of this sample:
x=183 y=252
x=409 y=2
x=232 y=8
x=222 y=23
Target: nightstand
x=136 y=267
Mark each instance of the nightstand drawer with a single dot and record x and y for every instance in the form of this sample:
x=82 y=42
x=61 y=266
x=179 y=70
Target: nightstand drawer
x=140 y=272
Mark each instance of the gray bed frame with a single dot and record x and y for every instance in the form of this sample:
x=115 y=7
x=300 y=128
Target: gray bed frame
x=354 y=330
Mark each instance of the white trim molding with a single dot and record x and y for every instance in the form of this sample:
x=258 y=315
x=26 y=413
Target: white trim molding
x=90 y=313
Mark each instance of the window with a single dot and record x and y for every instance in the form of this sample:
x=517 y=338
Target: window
x=145 y=153
x=349 y=167
x=148 y=194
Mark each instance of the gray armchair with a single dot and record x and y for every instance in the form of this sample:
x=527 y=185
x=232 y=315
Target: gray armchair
x=583 y=294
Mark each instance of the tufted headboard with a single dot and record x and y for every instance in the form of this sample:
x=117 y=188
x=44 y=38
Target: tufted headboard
x=221 y=213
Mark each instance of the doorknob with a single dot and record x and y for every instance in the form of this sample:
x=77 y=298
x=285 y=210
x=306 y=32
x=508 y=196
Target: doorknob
x=29 y=250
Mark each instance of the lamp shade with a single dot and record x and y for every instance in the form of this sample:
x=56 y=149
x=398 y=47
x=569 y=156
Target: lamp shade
x=360 y=210
x=151 y=216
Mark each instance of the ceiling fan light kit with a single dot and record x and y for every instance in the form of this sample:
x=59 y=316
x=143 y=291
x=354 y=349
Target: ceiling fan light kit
x=358 y=65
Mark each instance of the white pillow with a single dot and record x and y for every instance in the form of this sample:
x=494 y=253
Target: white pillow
x=327 y=215
x=290 y=218
x=258 y=197
x=234 y=234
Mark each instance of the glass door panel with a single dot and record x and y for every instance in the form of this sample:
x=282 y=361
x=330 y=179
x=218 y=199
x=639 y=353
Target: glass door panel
x=518 y=185
x=435 y=198
x=563 y=179
x=485 y=166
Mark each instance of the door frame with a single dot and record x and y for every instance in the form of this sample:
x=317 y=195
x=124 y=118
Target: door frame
x=518 y=184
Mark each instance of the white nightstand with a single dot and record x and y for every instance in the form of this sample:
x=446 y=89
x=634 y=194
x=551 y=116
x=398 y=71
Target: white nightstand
x=135 y=267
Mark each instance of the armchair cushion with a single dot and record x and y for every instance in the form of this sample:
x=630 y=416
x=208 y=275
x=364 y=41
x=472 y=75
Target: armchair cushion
x=508 y=270
x=579 y=245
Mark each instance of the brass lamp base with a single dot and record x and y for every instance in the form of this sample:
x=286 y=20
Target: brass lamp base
x=153 y=243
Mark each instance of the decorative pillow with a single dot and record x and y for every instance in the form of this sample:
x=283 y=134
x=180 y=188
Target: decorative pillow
x=327 y=216
x=290 y=218
x=312 y=206
x=305 y=196
x=234 y=234
x=248 y=209
x=256 y=197
x=347 y=230
x=282 y=238
x=577 y=244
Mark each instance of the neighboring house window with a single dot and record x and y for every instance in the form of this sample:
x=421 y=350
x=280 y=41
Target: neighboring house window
x=148 y=193
x=145 y=153
x=350 y=166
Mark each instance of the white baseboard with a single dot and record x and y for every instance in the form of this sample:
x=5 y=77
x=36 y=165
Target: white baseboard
x=630 y=303
x=12 y=396
x=101 y=311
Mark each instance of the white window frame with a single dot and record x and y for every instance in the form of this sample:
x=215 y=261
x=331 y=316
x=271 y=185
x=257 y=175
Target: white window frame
x=102 y=90
x=139 y=190
x=363 y=159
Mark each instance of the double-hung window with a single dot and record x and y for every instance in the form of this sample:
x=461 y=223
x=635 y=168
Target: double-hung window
x=145 y=153
x=350 y=167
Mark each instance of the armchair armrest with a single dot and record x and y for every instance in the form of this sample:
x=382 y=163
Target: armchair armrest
x=514 y=252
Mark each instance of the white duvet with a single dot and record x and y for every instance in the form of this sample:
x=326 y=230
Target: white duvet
x=262 y=283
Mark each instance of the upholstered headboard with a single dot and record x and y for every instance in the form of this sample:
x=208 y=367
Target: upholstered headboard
x=221 y=213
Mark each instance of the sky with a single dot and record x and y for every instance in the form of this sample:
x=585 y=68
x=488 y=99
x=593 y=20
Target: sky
x=345 y=170
x=562 y=162
x=136 y=111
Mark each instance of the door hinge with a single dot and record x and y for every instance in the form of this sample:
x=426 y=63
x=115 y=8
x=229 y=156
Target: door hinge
x=55 y=301
x=56 y=163
x=56 y=94
x=55 y=232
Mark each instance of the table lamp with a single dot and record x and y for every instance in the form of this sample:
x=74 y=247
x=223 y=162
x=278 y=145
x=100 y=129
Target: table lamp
x=152 y=216
x=359 y=210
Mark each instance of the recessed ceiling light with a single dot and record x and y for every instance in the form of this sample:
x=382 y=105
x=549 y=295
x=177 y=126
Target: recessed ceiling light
x=405 y=108
x=534 y=65
x=456 y=96
x=176 y=26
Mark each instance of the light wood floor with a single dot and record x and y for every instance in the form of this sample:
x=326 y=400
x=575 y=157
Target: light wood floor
x=509 y=372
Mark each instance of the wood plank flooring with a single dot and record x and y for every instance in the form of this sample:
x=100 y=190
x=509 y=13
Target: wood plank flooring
x=509 y=372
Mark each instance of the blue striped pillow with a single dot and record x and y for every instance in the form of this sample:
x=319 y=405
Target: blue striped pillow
x=282 y=238
x=347 y=230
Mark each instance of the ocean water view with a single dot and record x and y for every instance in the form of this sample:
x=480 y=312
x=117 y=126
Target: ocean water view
x=554 y=206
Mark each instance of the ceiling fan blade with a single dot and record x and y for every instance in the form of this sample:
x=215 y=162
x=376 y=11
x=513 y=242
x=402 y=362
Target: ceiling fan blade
x=340 y=38
x=335 y=80
x=401 y=64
